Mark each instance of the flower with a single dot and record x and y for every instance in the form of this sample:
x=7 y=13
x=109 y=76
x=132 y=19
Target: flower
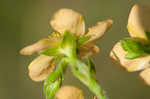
x=64 y=19
x=139 y=30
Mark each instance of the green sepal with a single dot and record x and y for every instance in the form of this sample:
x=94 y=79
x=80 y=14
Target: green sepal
x=134 y=48
x=83 y=39
x=68 y=45
x=51 y=52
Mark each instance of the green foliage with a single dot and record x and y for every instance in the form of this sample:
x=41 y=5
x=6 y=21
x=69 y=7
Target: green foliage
x=54 y=80
x=134 y=48
x=52 y=84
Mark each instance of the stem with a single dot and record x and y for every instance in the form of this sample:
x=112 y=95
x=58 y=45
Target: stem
x=82 y=72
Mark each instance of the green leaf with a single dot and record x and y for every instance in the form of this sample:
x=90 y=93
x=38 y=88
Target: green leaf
x=51 y=85
x=68 y=45
x=82 y=72
x=134 y=48
x=83 y=39
x=54 y=80
x=62 y=66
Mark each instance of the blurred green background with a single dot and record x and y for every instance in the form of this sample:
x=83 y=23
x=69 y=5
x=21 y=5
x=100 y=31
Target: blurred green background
x=23 y=22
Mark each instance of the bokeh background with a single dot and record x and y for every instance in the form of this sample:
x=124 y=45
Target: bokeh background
x=23 y=22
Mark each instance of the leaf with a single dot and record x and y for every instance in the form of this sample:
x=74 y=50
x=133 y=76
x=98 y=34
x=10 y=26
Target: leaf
x=68 y=45
x=51 y=85
x=134 y=48
x=83 y=39
x=84 y=74
x=54 y=80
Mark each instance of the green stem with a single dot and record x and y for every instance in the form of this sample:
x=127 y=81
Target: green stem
x=82 y=72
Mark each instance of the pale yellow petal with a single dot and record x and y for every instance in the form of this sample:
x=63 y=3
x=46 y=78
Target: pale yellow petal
x=145 y=75
x=69 y=92
x=98 y=30
x=138 y=22
x=131 y=65
x=87 y=50
x=36 y=47
x=67 y=19
x=40 y=67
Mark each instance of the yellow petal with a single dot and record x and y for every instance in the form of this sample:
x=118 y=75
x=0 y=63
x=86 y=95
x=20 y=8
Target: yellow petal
x=145 y=75
x=131 y=65
x=69 y=92
x=36 y=47
x=67 y=19
x=40 y=67
x=138 y=22
x=87 y=50
x=98 y=30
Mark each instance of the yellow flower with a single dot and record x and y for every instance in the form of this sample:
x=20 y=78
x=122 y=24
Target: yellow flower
x=64 y=19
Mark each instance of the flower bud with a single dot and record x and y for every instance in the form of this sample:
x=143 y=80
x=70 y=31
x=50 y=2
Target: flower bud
x=69 y=92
